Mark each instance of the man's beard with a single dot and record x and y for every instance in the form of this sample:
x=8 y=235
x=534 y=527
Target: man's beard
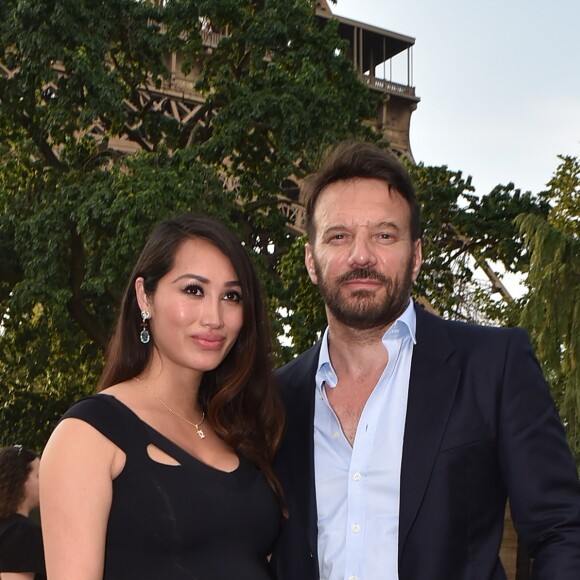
x=361 y=309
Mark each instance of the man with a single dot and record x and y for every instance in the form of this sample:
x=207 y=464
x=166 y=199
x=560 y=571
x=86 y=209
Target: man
x=406 y=433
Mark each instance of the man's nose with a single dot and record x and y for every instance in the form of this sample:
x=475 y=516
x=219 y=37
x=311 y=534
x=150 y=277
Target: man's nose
x=362 y=252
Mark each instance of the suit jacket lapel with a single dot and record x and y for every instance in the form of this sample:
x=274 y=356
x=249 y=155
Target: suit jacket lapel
x=300 y=440
x=432 y=386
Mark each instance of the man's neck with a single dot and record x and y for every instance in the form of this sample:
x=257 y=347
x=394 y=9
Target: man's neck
x=356 y=353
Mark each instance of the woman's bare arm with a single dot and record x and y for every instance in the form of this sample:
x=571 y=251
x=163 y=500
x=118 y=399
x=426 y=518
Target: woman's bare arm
x=76 y=472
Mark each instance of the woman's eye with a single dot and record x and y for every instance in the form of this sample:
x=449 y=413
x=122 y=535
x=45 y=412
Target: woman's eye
x=194 y=289
x=233 y=295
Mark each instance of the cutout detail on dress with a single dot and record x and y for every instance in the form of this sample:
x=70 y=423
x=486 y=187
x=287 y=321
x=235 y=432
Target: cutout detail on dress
x=159 y=456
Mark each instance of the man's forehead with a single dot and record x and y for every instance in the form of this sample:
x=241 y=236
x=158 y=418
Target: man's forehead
x=348 y=220
x=358 y=191
x=358 y=183
x=346 y=199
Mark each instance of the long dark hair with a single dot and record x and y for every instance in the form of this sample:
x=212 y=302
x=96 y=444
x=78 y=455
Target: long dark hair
x=15 y=467
x=239 y=396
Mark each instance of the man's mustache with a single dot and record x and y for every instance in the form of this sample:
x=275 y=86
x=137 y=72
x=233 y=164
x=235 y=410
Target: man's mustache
x=362 y=274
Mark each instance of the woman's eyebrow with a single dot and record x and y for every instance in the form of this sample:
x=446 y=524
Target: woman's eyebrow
x=204 y=280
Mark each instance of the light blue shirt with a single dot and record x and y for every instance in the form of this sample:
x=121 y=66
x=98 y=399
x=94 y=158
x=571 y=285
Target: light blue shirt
x=357 y=488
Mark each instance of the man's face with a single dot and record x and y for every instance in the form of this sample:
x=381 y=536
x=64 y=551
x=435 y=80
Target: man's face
x=362 y=256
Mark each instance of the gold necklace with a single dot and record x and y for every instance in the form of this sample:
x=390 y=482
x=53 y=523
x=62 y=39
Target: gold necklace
x=197 y=426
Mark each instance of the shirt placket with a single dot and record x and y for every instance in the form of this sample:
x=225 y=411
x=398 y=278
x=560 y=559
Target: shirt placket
x=359 y=467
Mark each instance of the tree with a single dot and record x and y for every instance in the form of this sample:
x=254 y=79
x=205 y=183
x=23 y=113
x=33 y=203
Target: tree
x=83 y=82
x=552 y=308
x=75 y=77
x=468 y=238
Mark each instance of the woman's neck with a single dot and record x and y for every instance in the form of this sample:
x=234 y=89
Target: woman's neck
x=24 y=509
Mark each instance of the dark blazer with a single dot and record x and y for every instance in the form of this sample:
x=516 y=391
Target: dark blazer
x=480 y=426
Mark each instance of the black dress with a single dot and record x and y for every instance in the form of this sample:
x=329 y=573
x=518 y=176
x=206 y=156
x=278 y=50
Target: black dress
x=184 y=522
x=21 y=546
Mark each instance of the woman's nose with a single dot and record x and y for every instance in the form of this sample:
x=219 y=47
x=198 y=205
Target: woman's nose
x=211 y=314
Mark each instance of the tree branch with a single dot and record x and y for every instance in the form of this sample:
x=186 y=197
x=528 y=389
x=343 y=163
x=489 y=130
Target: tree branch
x=89 y=323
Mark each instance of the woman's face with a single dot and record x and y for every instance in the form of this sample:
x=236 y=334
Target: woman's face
x=196 y=310
x=31 y=485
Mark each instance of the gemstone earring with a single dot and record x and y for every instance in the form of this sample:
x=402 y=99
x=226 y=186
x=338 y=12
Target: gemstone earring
x=145 y=334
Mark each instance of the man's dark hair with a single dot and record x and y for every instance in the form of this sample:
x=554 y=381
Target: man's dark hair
x=353 y=159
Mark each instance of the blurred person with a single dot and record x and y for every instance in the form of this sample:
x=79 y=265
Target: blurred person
x=406 y=433
x=21 y=551
x=165 y=473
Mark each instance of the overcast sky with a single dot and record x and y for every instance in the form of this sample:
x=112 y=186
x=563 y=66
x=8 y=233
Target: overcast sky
x=499 y=83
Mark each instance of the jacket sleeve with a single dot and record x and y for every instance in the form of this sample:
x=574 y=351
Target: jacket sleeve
x=538 y=467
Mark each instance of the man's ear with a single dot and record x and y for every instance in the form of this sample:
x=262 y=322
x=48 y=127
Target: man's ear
x=417 y=258
x=309 y=262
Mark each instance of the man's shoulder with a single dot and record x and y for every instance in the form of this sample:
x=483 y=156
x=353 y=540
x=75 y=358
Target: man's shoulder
x=300 y=365
x=465 y=332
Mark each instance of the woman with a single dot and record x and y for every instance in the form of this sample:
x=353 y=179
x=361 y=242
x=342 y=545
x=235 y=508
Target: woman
x=165 y=474
x=21 y=554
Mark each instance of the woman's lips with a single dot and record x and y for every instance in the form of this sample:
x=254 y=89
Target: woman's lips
x=209 y=341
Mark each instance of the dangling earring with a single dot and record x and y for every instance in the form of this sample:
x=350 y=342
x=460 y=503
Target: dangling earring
x=145 y=335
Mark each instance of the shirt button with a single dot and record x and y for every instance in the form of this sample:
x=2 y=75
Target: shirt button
x=335 y=434
x=357 y=476
x=353 y=578
x=355 y=528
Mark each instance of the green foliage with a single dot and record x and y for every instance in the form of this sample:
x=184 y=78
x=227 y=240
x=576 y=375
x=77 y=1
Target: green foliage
x=564 y=196
x=552 y=310
x=82 y=82
x=463 y=231
x=78 y=79
x=300 y=308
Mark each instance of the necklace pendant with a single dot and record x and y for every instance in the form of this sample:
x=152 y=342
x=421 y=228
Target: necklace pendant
x=201 y=434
